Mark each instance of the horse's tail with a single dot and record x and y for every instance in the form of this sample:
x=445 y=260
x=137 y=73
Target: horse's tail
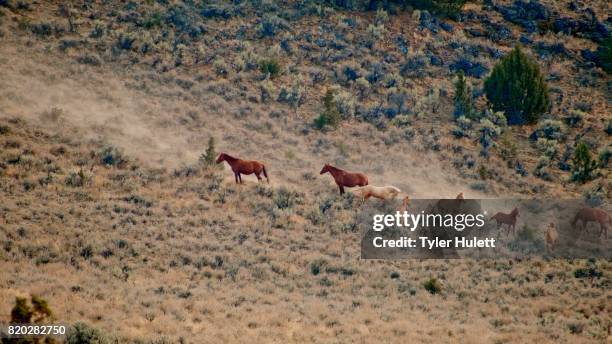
x=266 y=174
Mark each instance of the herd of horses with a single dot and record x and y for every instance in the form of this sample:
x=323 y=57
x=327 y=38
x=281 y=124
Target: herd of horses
x=355 y=179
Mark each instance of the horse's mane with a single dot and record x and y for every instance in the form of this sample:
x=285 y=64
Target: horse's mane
x=514 y=211
x=335 y=168
x=228 y=157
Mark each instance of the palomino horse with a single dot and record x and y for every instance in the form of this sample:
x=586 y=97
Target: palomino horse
x=506 y=219
x=344 y=178
x=586 y=215
x=380 y=192
x=243 y=167
x=405 y=203
x=552 y=237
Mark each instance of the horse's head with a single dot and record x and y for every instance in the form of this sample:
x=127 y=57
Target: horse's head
x=221 y=158
x=325 y=169
x=515 y=212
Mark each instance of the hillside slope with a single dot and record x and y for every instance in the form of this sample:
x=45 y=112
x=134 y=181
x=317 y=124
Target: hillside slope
x=109 y=215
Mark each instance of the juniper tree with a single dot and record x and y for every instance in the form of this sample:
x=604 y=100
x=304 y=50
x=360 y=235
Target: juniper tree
x=208 y=157
x=463 y=97
x=584 y=164
x=331 y=115
x=517 y=87
x=604 y=55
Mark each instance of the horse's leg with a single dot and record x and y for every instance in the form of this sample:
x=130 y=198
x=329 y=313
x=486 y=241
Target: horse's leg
x=240 y=177
x=258 y=177
x=341 y=189
x=236 y=177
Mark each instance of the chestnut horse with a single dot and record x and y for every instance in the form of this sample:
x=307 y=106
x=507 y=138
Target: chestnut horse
x=344 y=178
x=586 y=215
x=506 y=219
x=243 y=167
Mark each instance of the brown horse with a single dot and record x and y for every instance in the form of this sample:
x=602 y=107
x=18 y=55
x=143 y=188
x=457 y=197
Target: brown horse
x=586 y=215
x=506 y=219
x=243 y=167
x=344 y=178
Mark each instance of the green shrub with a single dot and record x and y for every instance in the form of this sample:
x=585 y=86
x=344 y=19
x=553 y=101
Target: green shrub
x=517 y=87
x=488 y=132
x=153 y=21
x=22 y=313
x=220 y=67
x=82 y=333
x=463 y=97
x=330 y=116
x=208 y=158
x=270 y=67
x=433 y=286
x=78 y=179
x=584 y=164
x=605 y=155
x=285 y=198
x=575 y=117
x=113 y=156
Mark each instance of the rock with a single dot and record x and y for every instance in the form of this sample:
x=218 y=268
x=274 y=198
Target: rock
x=524 y=39
x=390 y=112
x=475 y=32
x=216 y=11
x=498 y=32
x=376 y=74
x=589 y=56
x=414 y=64
x=321 y=42
x=551 y=49
x=524 y=13
x=402 y=44
x=473 y=50
x=565 y=25
x=495 y=53
x=426 y=20
x=390 y=58
x=446 y=27
x=473 y=69
x=435 y=60
x=286 y=46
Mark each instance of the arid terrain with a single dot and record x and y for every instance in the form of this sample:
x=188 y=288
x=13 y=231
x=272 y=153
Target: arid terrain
x=110 y=212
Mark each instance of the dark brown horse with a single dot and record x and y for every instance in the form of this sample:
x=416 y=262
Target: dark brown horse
x=243 y=167
x=507 y=219
x=586 y=215
x=344 y=178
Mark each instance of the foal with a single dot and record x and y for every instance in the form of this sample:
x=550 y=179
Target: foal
x=344 y=178
x=243 y=167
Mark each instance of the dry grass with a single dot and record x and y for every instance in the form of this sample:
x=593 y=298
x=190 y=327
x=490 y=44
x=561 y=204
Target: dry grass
x=161 y=247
